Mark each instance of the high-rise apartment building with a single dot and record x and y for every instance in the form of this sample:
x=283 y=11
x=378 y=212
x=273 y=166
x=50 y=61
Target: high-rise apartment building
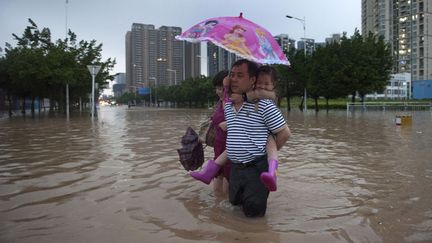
x=307 y=43
x=154 y=57
x=218 y=59
x=407 y=26
x=193 y=59
x=285 y=42
x=119 y=86
x=334 y=38
x=171 y=54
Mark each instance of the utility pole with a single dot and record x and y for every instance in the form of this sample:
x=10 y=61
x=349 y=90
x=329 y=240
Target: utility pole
x=93 y=69
x=67 y=84
x=303 y=21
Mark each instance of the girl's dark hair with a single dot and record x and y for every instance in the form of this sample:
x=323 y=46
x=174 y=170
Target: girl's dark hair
x=219 y=77
x=270 y=71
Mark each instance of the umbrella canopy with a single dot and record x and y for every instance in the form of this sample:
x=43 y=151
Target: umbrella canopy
x=191 y=154
x=240 y=36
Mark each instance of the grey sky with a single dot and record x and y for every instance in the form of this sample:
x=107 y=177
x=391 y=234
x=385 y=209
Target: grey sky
x=107 y=21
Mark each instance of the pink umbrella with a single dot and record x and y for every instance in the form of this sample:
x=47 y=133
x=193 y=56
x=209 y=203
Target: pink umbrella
x=240 y=36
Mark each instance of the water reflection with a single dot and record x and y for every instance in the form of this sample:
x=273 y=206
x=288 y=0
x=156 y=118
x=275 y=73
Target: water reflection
x=343 y=177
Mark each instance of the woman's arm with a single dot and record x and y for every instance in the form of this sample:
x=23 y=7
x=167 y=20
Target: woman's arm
x=223 y=125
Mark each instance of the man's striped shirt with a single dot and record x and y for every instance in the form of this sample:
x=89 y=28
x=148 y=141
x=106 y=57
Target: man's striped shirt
x=248 y=129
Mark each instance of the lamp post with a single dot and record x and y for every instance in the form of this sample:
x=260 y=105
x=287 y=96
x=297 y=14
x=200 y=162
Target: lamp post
x=67 y=83
x=408 y=89
x=303 y=21
x=411 y=41
x=93 y=69
x=175 y=75
x=155 y=82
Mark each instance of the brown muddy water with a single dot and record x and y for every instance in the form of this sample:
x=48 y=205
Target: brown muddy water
x=353 y=177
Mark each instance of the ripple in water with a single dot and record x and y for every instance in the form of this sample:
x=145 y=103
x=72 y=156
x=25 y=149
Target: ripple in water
x=342 y=178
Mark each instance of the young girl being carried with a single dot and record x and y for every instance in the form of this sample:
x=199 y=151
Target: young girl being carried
x=264 y=89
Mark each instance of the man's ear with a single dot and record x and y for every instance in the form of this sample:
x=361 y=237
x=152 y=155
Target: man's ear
x=253 y=79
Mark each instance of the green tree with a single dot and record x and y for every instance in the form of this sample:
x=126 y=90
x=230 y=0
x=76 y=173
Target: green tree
x=368 y=63
x=37 y=67
x=293 y=78
x=326 y=74
x=357 y=65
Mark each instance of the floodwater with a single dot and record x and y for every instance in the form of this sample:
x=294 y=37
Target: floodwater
x=353 y=177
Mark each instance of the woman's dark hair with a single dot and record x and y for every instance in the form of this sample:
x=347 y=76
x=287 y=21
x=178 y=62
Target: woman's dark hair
x=219 y=77
x=270 y=71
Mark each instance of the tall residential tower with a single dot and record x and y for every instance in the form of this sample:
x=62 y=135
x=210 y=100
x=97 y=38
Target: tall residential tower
x=287 y=44
x=155 y=57
x=218 y=59
x=407 y=26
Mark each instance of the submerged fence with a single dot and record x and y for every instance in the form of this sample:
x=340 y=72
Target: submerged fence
x=390 y=106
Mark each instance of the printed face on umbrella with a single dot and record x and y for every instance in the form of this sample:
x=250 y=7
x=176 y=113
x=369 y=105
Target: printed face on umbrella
x=241 y=82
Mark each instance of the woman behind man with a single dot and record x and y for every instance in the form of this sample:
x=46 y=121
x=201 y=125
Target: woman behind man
x=220 y=182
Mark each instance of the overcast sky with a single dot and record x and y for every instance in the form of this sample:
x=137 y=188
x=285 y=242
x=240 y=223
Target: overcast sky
x=107 y=21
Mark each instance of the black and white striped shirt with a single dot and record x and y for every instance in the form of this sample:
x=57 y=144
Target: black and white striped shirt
x=248 y=129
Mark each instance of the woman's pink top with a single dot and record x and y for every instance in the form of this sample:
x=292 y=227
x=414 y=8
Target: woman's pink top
x=220 y=137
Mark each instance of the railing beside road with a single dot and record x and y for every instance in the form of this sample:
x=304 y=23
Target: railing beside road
x=394 y=106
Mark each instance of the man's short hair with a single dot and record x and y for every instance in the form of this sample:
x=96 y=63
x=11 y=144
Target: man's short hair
x=252 y=67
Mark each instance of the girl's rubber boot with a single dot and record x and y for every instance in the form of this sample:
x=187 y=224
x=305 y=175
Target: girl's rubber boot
x=269 y=178
x=207 y=173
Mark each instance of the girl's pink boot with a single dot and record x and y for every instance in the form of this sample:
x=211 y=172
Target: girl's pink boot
x=269 y=178
x=207 y=173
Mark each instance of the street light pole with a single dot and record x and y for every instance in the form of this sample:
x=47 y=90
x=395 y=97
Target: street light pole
x=151 y=91
x=411 y=41
x=67 y=81
x=175 y=75
x=93 y=69
x=303 y=21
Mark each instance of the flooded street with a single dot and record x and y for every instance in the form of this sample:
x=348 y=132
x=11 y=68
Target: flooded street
x=342 y=177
